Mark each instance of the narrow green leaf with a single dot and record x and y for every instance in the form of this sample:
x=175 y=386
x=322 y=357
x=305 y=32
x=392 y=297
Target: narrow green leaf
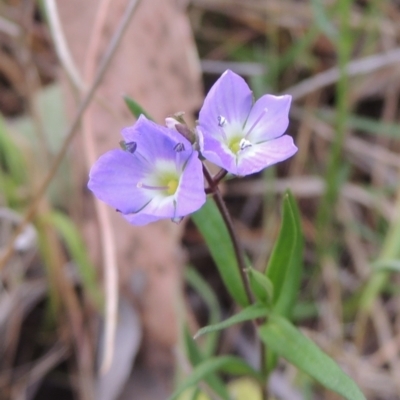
x=135 y=108
x=211 y=225
x=386 y=265
x=12 y=168
x=11 y=157
x=285 y=264
x=287 y=341
x=196 y=357
x=228 y=364
x=76 y=247
x=291 y=285
x=247 y=314
x=322 y=20
x=260 y=285
x=191 y=349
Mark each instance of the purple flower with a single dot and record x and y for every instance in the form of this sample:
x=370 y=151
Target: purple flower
x=157 y=176
x=240 y=136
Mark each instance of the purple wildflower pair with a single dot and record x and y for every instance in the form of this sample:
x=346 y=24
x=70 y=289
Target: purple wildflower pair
x=159 y=174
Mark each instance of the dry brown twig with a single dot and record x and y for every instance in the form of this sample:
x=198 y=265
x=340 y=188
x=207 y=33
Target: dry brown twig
x=106 y=231
x=361 y=66
x=61 y=46
x=71 y=131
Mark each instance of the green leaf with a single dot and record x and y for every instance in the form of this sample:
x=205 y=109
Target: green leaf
x=386 y=265
x=247 y=314
x=135 y=108
x=285 y=264
x=211 y=225
x=323 y=21
x=228 y=364
x=287 y=341
x=13 y=171
x=191 y=349
x=51 y=108
x=11 y=157
x=196 y=357
x=50 y=102
x=260 y=285
x=76 y=247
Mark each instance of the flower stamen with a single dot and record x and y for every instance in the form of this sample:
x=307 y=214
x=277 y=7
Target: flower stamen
x=142 y=185
x=222 y=121
x=244 y=144
x=170 y=187
x=131 y=147
x=179 y=147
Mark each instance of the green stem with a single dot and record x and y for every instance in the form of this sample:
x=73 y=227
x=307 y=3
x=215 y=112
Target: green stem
x=213 y=186
x=239 y=253
x=333 y=176
x=390 y=250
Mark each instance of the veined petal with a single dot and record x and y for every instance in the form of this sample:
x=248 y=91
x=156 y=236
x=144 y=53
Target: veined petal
x=160 y=207
x=190 y=195
x=230 y=98
x=269 y=118
x=158 y=177
x=153 y=141
x=113 y=179
x=140 y=219
x=234 y=133
x=259 y=156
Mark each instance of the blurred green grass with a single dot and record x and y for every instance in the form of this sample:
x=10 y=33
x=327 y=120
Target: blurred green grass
x=344 y=238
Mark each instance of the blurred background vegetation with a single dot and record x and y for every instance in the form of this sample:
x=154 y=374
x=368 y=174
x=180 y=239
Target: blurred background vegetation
x=340 y=60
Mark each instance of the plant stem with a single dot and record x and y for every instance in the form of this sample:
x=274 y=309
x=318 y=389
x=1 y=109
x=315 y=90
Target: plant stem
x=214 y=190
x=335 y=172
x=213 y=186
x=219 y=176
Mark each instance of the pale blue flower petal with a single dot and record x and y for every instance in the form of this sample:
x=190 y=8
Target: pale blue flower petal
x=234 y=133
x=140 y=219
x=229 y=98
x=136 y=181
x=160 y=207
x=269 y=118
x=217 y=152
x=153 y=141
x=259 y=156
x=113 y=179
x=190 y=196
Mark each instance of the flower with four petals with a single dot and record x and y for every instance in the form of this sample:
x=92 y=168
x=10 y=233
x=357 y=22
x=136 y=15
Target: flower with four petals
x=240 y=136
x=157 y=176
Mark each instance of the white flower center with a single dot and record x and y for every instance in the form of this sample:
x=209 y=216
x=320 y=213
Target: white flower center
x=164 y=180
x=234 y=135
